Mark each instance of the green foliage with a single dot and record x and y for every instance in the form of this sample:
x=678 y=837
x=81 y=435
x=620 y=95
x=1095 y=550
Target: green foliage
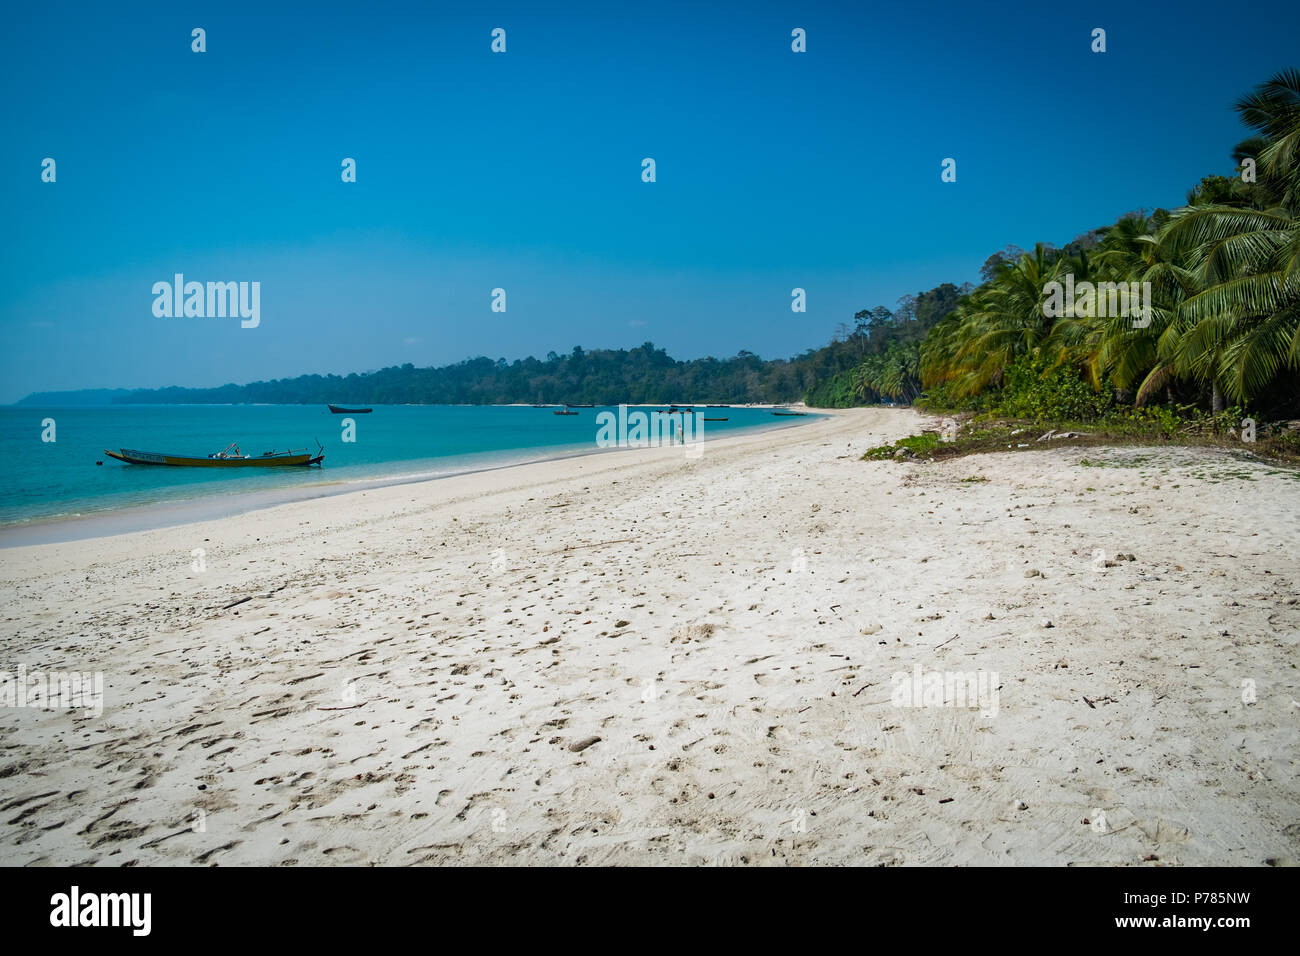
x=1033 y=390
x=1120 y=425
x=839 y=391
x=1173 y=421
x=886 y=346
x=1223 y=322
x=922 y=444
x=944 y=398
x=597 y=376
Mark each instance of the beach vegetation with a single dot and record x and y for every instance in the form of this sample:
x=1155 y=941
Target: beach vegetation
x=1215 y=341
x=1221 y=327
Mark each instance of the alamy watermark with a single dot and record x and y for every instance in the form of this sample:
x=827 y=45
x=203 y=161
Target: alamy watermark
x=53 y=690
x=946 y=689
x=653 y=429
x=75 y=908
x=216 y=300
x=1102 y=299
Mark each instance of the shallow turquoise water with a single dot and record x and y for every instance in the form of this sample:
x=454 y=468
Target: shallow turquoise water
x=48 y=479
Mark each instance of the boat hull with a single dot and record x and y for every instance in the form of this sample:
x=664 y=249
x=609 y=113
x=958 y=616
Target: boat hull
x=132 y=457
x=340 y=410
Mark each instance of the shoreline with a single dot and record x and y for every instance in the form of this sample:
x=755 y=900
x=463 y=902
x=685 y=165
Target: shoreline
x=171 y=513
x=655 y=660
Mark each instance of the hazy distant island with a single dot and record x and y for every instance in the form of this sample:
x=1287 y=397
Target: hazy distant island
x=644 y=374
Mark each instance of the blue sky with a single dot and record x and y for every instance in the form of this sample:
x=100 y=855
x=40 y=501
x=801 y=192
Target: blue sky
x=523 y=170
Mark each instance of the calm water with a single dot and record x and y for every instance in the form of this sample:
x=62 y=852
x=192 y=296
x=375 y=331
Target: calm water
x=60 y=478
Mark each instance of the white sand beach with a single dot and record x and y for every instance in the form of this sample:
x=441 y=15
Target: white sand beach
x=419 y=670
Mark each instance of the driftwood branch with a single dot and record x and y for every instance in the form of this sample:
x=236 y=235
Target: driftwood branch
x=598 y=544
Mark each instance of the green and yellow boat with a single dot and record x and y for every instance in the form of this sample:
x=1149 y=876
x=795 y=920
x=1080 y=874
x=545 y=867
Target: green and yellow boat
x=231 y=457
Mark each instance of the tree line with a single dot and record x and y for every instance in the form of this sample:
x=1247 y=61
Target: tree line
x=1220 y=279
x=644 y=374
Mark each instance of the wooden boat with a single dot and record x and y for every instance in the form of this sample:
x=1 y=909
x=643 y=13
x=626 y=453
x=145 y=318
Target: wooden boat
x=717 y=419
x=563 y=411
x=222 y=459
x=574 y=405
x=340 y=410
x=794 y=414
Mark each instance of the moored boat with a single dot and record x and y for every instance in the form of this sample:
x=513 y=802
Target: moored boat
x=340 y=410
x=221 y=459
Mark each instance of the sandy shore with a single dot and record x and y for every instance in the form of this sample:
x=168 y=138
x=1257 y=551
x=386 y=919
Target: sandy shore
x=419 y=666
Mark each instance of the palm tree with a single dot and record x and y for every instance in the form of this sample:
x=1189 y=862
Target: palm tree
x=894 y=374
x=1224 y=275
x=1137 y=356
x=1242 y=328
x=1273 y=110
x=1002 y=320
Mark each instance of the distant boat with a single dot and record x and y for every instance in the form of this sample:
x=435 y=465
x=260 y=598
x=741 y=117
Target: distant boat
x=717 y=406
x=786 y=412
x=563 y=411
x=573 y=405
x=340 y=410
x=230 y=458
x=717 y=419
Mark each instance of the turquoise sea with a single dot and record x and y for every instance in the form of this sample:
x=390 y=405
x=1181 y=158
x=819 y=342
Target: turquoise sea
x=44 y=479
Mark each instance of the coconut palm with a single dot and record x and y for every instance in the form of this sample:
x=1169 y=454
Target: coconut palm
x=1135 y=355
x=893 y=374
x=1242 y=328
x=1224 y=276
x=1000 y=321
x=1273 y=110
